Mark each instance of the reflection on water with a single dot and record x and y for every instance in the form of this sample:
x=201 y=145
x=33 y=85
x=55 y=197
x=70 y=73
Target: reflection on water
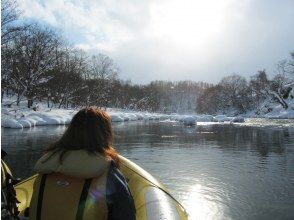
x=200 y=205
x=216 y=171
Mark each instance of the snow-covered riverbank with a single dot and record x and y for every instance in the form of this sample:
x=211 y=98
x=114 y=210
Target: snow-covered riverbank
x=22 y=117
x=25 y=118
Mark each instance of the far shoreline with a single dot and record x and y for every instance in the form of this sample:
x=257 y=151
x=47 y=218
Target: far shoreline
x=18 y=117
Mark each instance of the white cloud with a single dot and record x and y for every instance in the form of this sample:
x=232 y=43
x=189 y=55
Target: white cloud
x=173 y=39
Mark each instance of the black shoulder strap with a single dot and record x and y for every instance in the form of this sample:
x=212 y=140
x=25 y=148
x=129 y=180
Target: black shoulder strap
x=8 y=194
x=40 y=196
x=83 y=198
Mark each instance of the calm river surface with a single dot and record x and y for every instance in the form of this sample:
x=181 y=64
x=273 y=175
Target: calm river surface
x=217 y=171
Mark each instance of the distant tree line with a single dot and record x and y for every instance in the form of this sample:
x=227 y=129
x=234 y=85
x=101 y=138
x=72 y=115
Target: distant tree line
x=39 y=65
x=234 y=94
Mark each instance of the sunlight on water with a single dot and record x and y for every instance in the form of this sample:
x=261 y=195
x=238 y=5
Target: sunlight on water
x=200 y=206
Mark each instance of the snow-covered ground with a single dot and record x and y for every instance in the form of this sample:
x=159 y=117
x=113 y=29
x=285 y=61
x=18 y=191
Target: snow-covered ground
x=22 y=117
x=26 y=118
x=276 y=111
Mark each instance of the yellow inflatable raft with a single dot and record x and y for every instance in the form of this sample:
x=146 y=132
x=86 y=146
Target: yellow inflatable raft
x=152 y=199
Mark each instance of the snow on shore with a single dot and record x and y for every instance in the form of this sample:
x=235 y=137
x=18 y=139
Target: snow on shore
x=22 y=117
x=27 y=118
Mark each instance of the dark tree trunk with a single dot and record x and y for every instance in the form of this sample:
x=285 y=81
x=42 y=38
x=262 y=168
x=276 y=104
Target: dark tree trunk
x=48 y=102
x=30 y=102
x=61 y=103
x=2 y=95
x=18 y=98
x=282 y=102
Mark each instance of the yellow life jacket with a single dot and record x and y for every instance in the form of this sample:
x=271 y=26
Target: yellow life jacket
x=75 y=189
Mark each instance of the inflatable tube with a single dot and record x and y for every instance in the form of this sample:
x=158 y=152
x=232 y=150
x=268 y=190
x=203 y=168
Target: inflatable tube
x=152 y=199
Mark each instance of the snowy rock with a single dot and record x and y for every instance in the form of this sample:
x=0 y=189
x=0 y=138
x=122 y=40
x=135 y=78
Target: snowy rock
x=182 y=117
x=116 y=118
x=62 y=120
x=52 y=120
x=139 y=116
x=147 y=116
x=163 y=117
x=238 y=119
x=11 y=123
x=47 y=119
x=125 y=117
x=132 y=117
x=144 y=116
x=32 y=121
x=221 y=118
x=25 y=123
x=207 y=118
x=189 y=121
x=39 y=121
x=68 y=120
x=175 y=117
x=203 y=118
x=150 y=117
x=156 y=117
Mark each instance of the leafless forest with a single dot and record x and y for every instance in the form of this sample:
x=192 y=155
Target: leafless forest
x=39 y=65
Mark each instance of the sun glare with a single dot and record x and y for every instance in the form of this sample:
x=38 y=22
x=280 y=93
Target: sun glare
x=190 y=22
x=199 y=206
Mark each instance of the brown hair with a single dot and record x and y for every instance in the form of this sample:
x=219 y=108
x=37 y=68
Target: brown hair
x=90 y=130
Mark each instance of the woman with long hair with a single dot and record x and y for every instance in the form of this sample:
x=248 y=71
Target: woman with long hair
x=79 y=177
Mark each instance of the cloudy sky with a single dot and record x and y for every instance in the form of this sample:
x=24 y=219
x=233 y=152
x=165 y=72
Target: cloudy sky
x=175 y=39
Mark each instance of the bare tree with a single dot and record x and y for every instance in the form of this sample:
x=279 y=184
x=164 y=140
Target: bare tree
x=235 y=93
x=34 y=54
x=259 y=86
x=279 y=91
x=103 y=73
x=66 y=84
x=10 y=13
x=102 y=67
x=283 y=81
x=9 y=30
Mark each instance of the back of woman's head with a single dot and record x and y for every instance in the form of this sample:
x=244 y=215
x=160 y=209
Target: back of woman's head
x=90 y=130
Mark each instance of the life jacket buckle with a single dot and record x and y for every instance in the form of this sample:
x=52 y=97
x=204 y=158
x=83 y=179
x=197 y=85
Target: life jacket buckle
x=62 y=183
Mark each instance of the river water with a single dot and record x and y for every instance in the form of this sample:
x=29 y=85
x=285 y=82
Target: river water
x=217 y=171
